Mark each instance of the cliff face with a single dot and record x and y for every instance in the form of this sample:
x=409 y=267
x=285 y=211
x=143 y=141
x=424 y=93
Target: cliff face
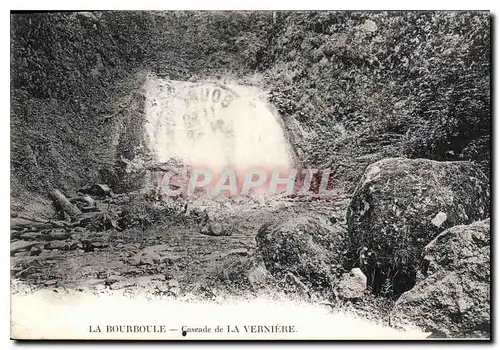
x=351 y=88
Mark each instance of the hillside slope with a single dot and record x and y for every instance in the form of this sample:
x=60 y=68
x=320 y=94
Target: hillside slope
x=351 y=87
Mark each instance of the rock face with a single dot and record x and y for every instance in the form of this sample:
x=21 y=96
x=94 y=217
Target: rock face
x=400 y=205
x=304 y=246
x=452 y=294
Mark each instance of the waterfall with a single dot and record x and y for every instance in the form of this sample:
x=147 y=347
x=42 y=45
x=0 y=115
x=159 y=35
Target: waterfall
x=214 y=126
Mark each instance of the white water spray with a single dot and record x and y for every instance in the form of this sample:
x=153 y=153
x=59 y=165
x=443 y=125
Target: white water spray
x=214 y=126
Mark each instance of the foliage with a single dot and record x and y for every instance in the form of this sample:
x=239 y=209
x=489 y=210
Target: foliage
x=377 y=84
x=363 y=85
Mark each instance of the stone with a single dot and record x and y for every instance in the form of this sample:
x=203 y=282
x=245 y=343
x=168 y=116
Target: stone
x=213 y=228
x=32 y=235
x=303 y=246
x=113 y=279
x=439 y=219
x=351 y=285
x=216 y=229
x=122 y=284
x=173 y=283
x=59 y=235
x=146 y=257
x=258 y=276
x=400 y=205
x=98 y=190
x=452 y=293
x=22 y=245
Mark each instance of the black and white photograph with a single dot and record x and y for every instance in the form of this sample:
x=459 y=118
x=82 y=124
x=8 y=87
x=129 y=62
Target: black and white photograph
x=250 y=175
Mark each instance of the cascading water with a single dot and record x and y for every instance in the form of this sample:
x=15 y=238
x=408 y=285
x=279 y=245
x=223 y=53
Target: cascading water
x=214 y=126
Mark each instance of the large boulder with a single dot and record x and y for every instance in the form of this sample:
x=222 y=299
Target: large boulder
x=305 y=246
x=452 y=294
x=400 y=205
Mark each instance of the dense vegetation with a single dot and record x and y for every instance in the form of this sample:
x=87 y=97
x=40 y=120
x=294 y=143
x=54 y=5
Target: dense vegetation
x=385 y=84
x=352 y=87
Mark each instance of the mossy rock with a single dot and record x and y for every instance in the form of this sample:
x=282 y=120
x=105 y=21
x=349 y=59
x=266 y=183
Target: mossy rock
x=400 y=205
x=305 y=246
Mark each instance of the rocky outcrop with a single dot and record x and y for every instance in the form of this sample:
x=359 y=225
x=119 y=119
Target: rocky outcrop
x=452 y=294
x=351 y=286
x=400 y=205
x=211 y=226
x=304 y=246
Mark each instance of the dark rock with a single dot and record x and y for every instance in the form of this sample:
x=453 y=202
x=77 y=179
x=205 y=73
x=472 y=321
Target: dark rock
x=92 y=218
x=35 y=250
x=63 y=245
x=96 y=221
x=88 y=209
x=87 y=245
x=97 y=190
x=22 y=224
x=32 y=235
x=452 y=293
x=258 y=276
x=113 y=279
x=400 y=205
x=55 y=245
x=211 y=226
x=304 y=246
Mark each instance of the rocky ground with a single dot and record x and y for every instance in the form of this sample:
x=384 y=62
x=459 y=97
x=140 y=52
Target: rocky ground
x=181 y=259
x=167 y=257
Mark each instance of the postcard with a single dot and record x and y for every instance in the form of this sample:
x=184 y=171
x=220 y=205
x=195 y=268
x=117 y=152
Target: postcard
x=250 y=175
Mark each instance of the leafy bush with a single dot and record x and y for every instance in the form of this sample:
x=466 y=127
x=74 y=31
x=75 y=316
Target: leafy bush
x=418 y=79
